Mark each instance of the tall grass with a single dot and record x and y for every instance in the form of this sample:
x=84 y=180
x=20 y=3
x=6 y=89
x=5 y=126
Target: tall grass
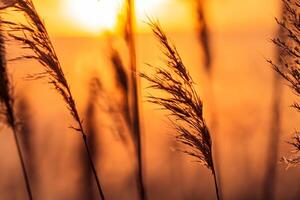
x=289 y=66
x=135 y=127
x=7 y=107
x=183 y=104
x=33 y=35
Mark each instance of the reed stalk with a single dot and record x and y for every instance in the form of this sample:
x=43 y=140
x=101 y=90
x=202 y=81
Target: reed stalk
x=130 y=26
x=87 y=177
x=7 y=108
x=33 y=35
x=183 y=104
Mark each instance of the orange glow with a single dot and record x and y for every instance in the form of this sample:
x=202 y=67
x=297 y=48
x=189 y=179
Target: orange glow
x=93 y=15
x=144 y=7
x=100 y=15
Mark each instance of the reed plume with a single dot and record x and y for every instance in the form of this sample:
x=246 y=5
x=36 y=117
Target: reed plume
x=34 y=36
x=204 y=34
x=7 y=108
x=182 y=102
x=122 y=82
x=135 y=122
x=289 y=66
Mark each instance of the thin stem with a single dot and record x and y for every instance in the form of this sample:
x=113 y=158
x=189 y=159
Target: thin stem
x=84 y=137
x=134 y=82
x=22 y=164
x=215 y=181
x=93 y=166
x=214 y=128
x=140 y=172
x=81 y=130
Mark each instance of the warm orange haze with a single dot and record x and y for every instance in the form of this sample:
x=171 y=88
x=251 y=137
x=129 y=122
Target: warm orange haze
x=149 y=99
x=90 y=17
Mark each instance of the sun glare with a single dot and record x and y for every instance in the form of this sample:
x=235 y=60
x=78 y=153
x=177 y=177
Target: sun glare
x=99 y=15
x=94 y=15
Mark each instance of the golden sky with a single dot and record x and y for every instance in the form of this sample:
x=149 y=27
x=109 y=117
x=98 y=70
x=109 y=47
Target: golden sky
x=90 y=17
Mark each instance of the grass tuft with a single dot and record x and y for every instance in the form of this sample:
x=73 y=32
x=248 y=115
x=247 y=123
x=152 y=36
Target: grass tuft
x=182 y=102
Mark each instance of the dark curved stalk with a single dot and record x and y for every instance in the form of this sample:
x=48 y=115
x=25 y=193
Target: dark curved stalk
x=215 y=181
x=93 y=166
x=84 y=137
x=28 y=188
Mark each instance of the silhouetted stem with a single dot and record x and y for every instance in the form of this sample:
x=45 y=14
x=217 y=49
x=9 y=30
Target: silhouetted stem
x=93 y=166
x=22 y=164
x=136 y=120
x=140 y=174
x=84 y=137
x=215 y=181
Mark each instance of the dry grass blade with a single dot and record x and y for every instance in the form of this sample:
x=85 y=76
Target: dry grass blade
x=182 y=102
x=289 y=66
x=7 y=107
x=33 y=35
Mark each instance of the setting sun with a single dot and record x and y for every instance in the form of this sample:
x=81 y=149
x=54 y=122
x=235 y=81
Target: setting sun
x=94 y=15
x=100 y=15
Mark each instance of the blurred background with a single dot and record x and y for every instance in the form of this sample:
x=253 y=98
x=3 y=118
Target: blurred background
x=240 y=103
